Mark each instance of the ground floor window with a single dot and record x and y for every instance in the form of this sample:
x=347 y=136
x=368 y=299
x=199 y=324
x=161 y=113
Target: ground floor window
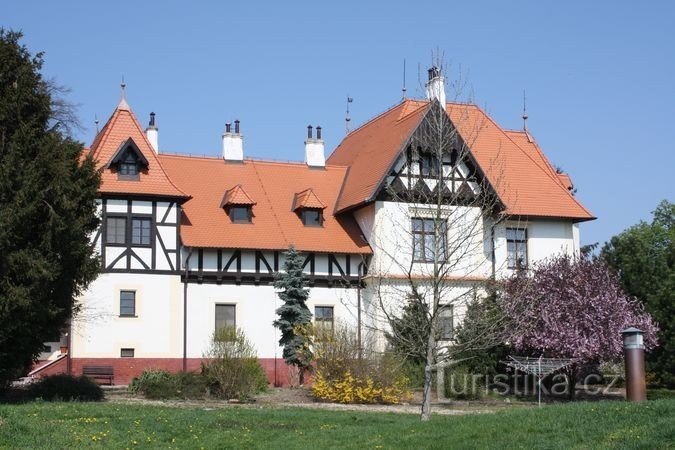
x=516 y=247
x=225 y=316
x=323 y=319
x=445 y=322
x=127 y=303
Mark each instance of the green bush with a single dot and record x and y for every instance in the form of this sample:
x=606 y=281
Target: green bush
x=162 y=385
x=231 y=369
x=462 y=384
x=65 y=388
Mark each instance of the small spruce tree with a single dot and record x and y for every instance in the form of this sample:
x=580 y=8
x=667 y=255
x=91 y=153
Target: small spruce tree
x=294 y=316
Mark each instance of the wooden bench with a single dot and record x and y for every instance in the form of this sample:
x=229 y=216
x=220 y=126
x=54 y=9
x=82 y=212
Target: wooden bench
x=99 y=373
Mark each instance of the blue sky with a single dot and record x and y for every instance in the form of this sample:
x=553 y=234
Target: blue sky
x=599 y=76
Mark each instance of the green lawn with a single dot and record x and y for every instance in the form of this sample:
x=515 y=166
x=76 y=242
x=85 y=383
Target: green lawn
x=614 y=424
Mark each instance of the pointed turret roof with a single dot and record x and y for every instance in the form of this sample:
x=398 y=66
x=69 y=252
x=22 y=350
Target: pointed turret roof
x=120 y=128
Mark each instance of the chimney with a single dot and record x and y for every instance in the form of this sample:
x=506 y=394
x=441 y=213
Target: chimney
x=436 y=85
x=233 y=143
x=152 y=133
x=314 y=149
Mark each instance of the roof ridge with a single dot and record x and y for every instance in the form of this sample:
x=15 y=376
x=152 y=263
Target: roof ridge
x=555 y=180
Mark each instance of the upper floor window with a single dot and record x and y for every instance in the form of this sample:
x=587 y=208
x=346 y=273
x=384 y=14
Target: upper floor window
x=516 y=248
x=139 y=234
x=116 y=230
x=428 y=165
x=240 y=214
x=312 y=217
x=128 y=160
x=140 y=231
x=425 y=241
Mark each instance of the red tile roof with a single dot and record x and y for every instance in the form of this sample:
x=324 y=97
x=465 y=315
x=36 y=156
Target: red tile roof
x=520 y=173
x=154 y=181
x=273 y=187
x=236 y=196
x=307 y=199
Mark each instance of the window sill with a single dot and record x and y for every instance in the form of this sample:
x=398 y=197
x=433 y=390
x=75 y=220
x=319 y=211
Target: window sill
x=127 y=316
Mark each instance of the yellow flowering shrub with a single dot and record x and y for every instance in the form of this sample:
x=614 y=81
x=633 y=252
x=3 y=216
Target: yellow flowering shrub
x=343 y=376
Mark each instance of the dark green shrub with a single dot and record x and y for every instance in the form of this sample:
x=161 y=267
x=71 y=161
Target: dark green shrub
x=462 y=384
x=232 y=369
x=161 y=385
x=65 y=388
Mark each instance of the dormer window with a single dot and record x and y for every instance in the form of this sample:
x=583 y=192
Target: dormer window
x=238 y=205
x=128 y=161
x=129 y=165
x=312 y=217
x=309 y=208
x=240 y=214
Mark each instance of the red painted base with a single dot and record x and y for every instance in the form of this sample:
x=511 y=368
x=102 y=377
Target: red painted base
x=125 y=369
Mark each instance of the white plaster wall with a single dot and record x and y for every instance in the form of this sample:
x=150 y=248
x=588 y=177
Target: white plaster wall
x=388 y=228
x=156 y=332
x=545 y=238
x=255 y=312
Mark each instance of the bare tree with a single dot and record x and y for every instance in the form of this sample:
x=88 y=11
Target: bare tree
x=437 y=248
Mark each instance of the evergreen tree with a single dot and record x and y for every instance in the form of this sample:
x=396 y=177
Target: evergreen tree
x=294 y=316
x=47 y=212
x=409 y=334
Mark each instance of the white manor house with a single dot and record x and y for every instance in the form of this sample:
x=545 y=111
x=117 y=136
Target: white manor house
x=188 y=244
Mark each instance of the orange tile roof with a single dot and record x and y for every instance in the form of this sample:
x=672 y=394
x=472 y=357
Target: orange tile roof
x=236 y=196
x=521 y=175
x=273 y=186
x=307 y=199
x=154 y=181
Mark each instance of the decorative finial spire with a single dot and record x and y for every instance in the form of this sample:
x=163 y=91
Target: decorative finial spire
x=123 y=101
x=96 y=123
x=529 y=139
x=404 y=89
x=347 y=118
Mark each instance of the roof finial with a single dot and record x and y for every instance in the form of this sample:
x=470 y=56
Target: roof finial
x=529 y=139
x=347 y=118
x=123 y=101
x=404 y=88
x=96 y=123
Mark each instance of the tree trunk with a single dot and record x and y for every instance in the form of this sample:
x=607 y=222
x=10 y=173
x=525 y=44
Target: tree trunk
x=428 y=378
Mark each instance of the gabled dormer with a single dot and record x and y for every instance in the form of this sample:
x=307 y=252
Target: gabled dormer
x=238 y=205
x=309 y=208
x=128 y=161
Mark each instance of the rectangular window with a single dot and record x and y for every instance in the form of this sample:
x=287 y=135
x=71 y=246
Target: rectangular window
x=424 y=239
x=127 y=352
x=127 y=303
x=516 y=248
x=116 y=230
x=240 y=214
x=225 y=316
x=445 y=323
x=323 y=319
x=140 y=231
x=312 y=217
x=428 y=165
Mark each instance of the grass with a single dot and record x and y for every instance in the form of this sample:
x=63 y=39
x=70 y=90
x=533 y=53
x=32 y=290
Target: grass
x=109 y=425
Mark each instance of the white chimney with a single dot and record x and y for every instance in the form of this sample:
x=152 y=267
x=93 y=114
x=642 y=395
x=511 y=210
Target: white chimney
x=233 y=143
x=436 y=85
x=314 y=149
x=152 y=133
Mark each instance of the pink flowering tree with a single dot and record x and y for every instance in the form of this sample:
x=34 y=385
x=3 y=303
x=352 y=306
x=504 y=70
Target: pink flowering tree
x=572 y=308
